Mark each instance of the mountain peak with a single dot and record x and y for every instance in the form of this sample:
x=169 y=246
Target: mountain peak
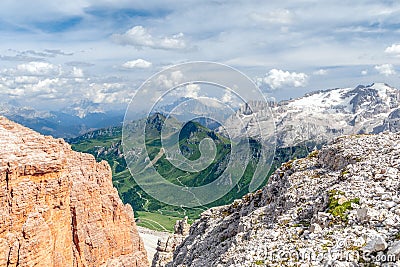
x=323 y=115
x=83 y=108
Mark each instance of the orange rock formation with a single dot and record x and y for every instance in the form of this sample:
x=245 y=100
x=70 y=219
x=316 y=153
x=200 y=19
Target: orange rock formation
x=59 y=207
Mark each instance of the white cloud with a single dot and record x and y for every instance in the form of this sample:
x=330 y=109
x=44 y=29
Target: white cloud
x=77 y=72
x=138 y=63
x=137 y=36
x=278 y=78
x=315 y=36
x=192 y=91
x=320 y=72
x=364 y=72
x=26 y=79
x=37 y=68
x=394 y=49
x=278 y=16
x=34 y=82
x=227 y=97
x=140 y=37
x=176 y=41
x=385 y=69
x=174 y=79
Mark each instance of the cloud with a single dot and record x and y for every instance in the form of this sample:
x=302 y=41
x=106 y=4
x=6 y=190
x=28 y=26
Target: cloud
x=385 y=69
x=394 y=49
x=192 y=91
x=77 y=72
x=249 y=36
x=320 y=72
x=140 y=37
x=174 y=79
x=57 y=85
x=278 y=16
x=364 y=72
x=227 y=97
x=38 y=68
x=278 y=78
x=138 y=63
x=45 y=53
x=79 y=64
x=33 y=55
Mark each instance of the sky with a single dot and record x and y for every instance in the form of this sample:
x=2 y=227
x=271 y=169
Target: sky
x=54 y=53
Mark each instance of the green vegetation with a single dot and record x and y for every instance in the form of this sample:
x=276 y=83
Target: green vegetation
x=259 y=262
x=326 y=246
x=156 y=221
x=313 y=154
x=397 y=236
x=340 y=210
x=302 y=224
x=344 y=172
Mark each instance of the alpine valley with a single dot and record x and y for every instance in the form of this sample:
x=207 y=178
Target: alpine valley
x=301 y=125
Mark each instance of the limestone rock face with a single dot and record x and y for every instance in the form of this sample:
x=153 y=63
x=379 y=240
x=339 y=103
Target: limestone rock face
x=338 y=207
x=165 y=249
x=59 y=207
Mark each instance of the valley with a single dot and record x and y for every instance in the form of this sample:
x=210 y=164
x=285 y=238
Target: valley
x=302 y=126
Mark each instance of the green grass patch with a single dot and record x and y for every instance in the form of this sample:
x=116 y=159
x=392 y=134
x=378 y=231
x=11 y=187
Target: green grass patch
x=156 y=221
x=340 y=210
x=397 y=236
x=259 y=262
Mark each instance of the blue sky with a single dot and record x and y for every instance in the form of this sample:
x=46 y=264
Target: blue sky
x=55 y=52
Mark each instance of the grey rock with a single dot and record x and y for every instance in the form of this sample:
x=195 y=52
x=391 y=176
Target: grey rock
x=377 y=243
x=292 y=212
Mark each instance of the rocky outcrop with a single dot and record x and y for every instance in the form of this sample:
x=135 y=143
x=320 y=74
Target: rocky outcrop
x=165 y=248
x=59 y=207
x=338 y=207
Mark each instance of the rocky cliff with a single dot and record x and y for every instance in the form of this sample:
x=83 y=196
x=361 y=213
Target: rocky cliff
x=59 y=208
x=165 y=249
x=337 y=207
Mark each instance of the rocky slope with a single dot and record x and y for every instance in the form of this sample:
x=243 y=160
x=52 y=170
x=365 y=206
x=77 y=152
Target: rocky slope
x=59 y=208
x=323 y=115
x=165 y=248
x=337 y=207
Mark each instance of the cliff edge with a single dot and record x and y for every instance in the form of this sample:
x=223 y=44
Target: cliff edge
x=59 y=207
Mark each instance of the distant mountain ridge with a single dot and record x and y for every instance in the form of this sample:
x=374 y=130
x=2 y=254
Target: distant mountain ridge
x=323 y=115
x=72 y=121
x=83 y=108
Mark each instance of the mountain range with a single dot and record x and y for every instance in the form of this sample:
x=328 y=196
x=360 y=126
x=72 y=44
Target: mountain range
x=71 y=121
x=323 y=115
x=336 y=206
x=302 y=125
